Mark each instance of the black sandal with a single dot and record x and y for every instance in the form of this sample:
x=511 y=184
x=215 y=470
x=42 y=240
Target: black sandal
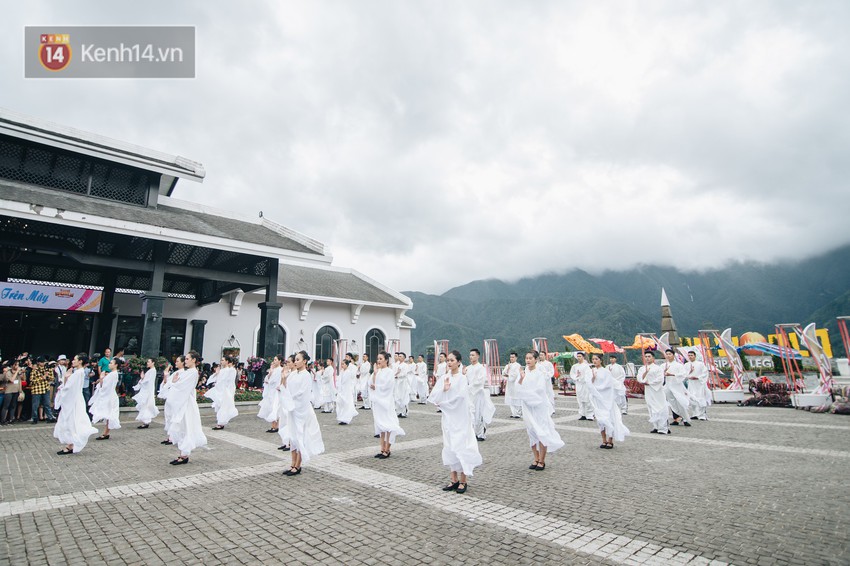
x=533 y=466
x=143 y=426
x=103 y=437
x=540 y=467
x=179 y=460
x=461 y=489
x=609 y=445
x=166 y=442
x=452 y=486
x=65 y=451
x=284 y=448
x=218 y=427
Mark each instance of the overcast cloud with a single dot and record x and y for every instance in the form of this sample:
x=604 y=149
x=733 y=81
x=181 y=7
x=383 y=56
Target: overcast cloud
x=433 y=143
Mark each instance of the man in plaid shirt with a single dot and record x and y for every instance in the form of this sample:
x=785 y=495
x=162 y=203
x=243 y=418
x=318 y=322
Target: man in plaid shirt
x=39 y=383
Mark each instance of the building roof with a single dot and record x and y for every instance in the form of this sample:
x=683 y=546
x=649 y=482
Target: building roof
x=78 y=141
x=170 y=216
x=343 y=285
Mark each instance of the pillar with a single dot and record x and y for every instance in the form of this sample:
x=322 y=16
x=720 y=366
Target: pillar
x=198 y=336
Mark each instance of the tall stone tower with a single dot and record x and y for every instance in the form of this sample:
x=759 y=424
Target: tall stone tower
x=667 y=324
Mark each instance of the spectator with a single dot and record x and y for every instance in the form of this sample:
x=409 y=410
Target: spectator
x=11 y=381
x=103 y=363
x=40 y=389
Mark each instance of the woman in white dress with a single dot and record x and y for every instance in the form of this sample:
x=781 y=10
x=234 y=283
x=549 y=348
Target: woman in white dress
x=460 y=447
x=185 y=428
x=144 y=398
x=532 y=390
x=223 y=393
x=283 y=432
x=168 y=375
x=328 y=387
x=387 y=426
x=104 y=402
x=602 y=388
x=270 y=404
x=303 y=428
x=73 y=427
x=345 y=394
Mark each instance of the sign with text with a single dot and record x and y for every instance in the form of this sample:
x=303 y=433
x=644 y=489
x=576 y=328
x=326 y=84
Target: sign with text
x=27 y=296
x=96 y=52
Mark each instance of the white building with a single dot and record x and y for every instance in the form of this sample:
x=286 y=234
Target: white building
x=80 y=213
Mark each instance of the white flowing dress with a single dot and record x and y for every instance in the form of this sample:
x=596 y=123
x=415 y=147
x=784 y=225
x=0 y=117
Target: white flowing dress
x=164 y=388
x=483 y=409
x=401 y=389
x=282 y=431
x=698 y=391
x=619 y=375
x=603 y=396
x=144 y=397
x=104 y=402
x=674 y=389
x=536 y=410
x=383 y=404
x=653 y=393
x=302 y=425
x=511 y=375
x=345 y=394
x=328 y=388
x=580 y=374
x=73 y=426
x=460 y=449
x=223 y=395
x=185 y=429
x=270 y=404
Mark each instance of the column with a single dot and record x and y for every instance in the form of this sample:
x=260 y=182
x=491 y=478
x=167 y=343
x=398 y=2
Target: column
x=198 y=336
x=152 y=306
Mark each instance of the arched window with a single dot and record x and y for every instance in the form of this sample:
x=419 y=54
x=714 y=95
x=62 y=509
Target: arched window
x=325 y=342
x=375 y=341
x=279 y=335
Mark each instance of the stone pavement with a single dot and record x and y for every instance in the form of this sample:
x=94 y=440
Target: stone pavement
x=751 y=486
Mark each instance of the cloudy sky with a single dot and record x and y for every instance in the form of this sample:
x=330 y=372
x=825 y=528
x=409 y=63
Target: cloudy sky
x=433 y=143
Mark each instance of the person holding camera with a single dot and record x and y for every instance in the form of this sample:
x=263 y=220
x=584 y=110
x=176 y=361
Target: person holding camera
x=11 y=384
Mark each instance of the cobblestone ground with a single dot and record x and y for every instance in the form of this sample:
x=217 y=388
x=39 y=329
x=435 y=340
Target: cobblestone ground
x=750 y=486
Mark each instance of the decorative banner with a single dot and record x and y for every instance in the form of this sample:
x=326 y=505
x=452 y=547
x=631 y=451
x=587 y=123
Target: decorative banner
x=608 y=346
x=643 y=343
x=582 y=345
x=26 y=296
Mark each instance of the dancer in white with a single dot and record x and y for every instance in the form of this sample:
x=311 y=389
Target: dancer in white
x=619 y=375
x=145 y=398
x=328 y=387
x=167 y=379
x=411 y=378
x=283 y=432
x=316 y=385
x=73 y=428
x=301 y=422
x=479 y=394
x=580 y=374
x=602 y=395
x=511 y=375
x=104 y=401
x=364 y=379
x=460 y=450
x=652 y=376
x=345 y=394
x=421 y=374
x=224 y=392
x=185 y=428
x=548 y=369
x=383 y=405
x=674 y=389
x=698 y=392
x=269 y=406
x=531 y=391
x=402 y=386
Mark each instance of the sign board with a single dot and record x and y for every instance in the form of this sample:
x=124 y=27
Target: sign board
x=27 y=296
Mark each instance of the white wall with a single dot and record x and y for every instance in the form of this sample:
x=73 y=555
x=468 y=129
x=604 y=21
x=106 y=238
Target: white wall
x=220 y=324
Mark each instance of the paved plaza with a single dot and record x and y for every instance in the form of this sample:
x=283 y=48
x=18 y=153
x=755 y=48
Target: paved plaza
x=751 y=486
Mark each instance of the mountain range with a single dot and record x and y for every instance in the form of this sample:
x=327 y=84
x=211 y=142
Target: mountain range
x=619 y=304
